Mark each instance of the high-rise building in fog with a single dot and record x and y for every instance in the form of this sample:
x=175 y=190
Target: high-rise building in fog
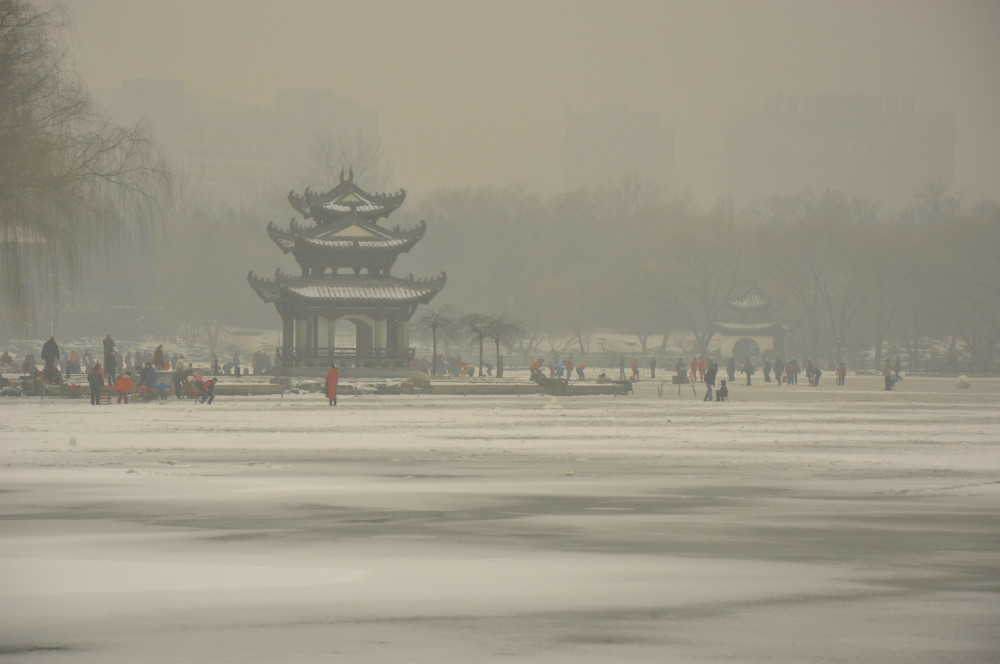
x=227 y=152
x=607 y=146
x=876 y=146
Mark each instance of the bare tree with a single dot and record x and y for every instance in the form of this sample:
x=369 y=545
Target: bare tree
x=437 y=321
x=69 y=179
x=502 y=330
x=330 y=154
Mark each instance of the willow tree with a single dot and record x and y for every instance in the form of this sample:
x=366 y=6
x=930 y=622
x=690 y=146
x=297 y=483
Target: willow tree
x=72 y=184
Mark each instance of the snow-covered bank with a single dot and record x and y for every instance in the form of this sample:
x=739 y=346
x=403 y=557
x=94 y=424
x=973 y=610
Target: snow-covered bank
x=791 y=524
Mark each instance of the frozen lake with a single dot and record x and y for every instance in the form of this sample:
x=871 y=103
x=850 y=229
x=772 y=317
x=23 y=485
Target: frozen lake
x=793 y=524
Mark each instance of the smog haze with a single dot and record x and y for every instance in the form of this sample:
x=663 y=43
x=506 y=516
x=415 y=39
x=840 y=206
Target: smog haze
x=477 y=93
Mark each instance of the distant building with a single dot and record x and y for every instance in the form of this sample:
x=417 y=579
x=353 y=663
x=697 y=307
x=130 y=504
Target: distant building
x=229 y=152
x=604 y=147
x=876 y=146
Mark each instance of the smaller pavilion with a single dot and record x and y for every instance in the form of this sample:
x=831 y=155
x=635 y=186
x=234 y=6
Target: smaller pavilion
x=752 y=329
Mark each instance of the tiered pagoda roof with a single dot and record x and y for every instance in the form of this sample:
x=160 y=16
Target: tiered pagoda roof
x=754 y=302
x=347 y=289
x=343 y=201
x=357 y=236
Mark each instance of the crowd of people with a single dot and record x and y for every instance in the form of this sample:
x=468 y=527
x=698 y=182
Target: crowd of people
x=150 y=374
x=144 y=374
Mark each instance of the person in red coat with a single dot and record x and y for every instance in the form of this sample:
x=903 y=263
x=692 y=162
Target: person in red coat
x=332 y=378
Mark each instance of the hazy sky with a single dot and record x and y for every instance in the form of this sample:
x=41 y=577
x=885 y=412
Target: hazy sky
x=475 y=92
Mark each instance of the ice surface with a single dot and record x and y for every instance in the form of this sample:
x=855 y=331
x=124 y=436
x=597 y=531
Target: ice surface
x=790 y=525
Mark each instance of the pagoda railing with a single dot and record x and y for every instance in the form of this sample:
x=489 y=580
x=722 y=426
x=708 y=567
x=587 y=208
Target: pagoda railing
x=344 y=356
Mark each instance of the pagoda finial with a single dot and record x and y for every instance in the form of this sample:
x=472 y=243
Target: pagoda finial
x=341 y=175
x=350 y=174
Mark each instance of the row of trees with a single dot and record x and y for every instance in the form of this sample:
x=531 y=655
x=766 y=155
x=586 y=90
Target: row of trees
x=619 y=257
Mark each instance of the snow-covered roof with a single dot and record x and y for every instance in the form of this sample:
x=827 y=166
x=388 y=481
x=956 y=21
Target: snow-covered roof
x=347 y=288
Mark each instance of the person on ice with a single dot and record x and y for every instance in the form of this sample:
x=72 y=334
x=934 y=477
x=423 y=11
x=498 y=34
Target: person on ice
x=123 y=386
x=710 y=380
x=887 y=374
x=722 y=394
x=748 y=369
x=95 y=378
x=50 y=352
x=208 y=391
x=332 y=378
x=841 y=374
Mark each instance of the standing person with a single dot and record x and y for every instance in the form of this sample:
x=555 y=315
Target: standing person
x=635 y=369
x=95 y=379
x=621 y=367
x=652 y=367
x=710 y=380
x=841 y=374
x=179 y=377
x=731 y=369
x=50 y=352
x=111 y=366
x=702 y=367
x=236 y=364
x=332 y=378
x=767 y=371
x=123 y=386
x=887 y=374
x=748 y=370
x=580 y=369
x=109 y=347
x=693 y=375
x=779 y=368
x=158 y=358
x=569 y=367
x=679 y=370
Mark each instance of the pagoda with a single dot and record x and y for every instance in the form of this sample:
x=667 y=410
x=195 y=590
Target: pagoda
x=345 y=259
x=752 y=329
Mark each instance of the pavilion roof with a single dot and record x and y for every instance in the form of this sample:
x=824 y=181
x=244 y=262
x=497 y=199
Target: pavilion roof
x=358 y=235
x=347 y=289
x=753 y=301
x=345 y=200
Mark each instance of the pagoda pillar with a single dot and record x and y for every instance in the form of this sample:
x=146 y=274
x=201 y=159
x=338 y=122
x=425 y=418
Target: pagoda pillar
x=331 y=336
x=287 y=341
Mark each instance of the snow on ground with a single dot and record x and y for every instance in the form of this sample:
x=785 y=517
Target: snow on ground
x=790 y=525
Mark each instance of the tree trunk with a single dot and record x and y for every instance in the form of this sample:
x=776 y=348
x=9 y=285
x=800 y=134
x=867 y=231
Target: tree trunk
x=434 y=359
x=480 y=355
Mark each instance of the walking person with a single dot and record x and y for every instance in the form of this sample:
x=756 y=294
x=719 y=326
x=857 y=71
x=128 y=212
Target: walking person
x=748 y=370
x=841 y=374
x=731 y=369
x=710 y=380
x=332 y=378
x=887 y=374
